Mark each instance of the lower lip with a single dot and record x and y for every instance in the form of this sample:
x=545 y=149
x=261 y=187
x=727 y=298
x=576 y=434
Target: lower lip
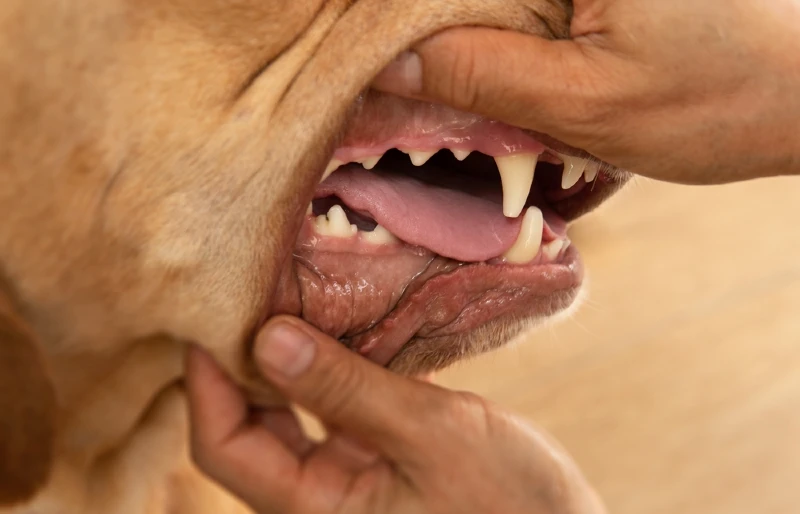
x=469 y=297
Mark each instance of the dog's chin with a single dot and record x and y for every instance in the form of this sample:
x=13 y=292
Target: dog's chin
x=437 y=235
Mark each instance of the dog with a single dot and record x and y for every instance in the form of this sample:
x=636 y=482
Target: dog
x=161 y=166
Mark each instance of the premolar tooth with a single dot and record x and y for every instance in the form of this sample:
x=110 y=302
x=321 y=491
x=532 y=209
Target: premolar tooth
x=526 y=247
x=369 y=162
x=334 y=224
x=516 y=173
x=379 y=236
x=418 y=157
x=573 y=170
x=592 y=170
x=460 y=154
x=552 y=249
x=332 y=166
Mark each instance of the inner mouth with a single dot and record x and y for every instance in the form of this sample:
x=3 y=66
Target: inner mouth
x=436 y=233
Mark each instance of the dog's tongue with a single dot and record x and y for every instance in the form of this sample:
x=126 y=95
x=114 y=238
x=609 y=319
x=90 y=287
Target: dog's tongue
x=450 y=222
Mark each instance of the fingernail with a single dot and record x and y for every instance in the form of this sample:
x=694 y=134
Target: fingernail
x=285 y=350
x=402 y=75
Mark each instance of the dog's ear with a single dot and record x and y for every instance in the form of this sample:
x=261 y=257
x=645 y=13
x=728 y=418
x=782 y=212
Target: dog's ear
x=27 y=410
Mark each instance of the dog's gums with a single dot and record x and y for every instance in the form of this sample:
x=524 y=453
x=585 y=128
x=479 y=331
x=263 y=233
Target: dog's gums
x=432 y=223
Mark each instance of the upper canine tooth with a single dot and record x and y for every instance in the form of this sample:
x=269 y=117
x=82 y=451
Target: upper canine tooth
x=516 y=173
x=332 y=166
x=592 y=169
x=460 y=154
x=526 y=247
x=379 y=236
x=418 y=157
x=334 y=224
x=370 y=162
x=573 y=170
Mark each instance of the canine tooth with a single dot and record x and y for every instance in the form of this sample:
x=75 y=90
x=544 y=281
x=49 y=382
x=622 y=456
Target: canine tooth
x=370 y=162
x=529 y=240
x=592 y=170
x=573 y=170
x=516 y=173
x=418 y=157
x=309 y=209
x=332 y=166
x=379 y=236
x=552 y=249
x=460 y=154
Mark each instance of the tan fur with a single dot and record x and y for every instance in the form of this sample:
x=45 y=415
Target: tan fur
x=155 y=159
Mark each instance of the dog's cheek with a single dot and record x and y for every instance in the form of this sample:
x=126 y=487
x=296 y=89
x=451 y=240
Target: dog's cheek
x=28 y=410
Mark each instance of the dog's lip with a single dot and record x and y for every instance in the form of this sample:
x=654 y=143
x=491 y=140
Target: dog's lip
x=515 y=288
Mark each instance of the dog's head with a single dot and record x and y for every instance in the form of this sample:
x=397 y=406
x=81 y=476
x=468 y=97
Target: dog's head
x=159 y=157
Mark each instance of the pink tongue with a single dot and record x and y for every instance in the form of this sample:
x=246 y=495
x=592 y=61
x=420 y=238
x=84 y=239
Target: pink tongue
x=448 y=222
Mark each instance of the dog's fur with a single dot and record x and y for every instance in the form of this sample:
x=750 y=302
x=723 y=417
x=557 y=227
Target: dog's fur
x=156 y=158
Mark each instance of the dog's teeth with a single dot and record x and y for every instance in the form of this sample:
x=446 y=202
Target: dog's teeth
x=461 y=154
x=379 y=236
x=335 y=224
x=552 y=249
x=592 y=170
x=418 y=157
x=369 y=162
x=332 y=166
x=309 y=209
x=529 y=240
x=516 y=173
x=573 y=170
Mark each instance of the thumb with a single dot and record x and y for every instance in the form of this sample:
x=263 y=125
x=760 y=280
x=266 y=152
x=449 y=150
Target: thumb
x=549 y=86
x=345 y=390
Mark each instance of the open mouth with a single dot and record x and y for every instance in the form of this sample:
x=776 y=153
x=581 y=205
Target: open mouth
x=436 y=234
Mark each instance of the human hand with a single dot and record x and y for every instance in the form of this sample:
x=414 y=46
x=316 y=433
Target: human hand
x=395 y=444
x=684 y=91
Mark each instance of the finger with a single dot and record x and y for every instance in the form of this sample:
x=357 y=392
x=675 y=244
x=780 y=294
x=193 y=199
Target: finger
x=284 y=424
x=242 y=456
x=343 y=452
x=346 y=391
x=555 y=87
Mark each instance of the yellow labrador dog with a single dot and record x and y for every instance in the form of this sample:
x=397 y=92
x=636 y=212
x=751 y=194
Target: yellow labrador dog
x=160 y=183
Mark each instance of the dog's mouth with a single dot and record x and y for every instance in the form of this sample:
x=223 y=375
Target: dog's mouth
x=436 y=233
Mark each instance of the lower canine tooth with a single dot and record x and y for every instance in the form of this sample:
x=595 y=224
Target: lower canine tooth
x=529 y=240
x=516 y=173
x=419 y=158
x=461 y=154
x=379 y=236
x=552 y=249
x=573 y=170
x=335 y=224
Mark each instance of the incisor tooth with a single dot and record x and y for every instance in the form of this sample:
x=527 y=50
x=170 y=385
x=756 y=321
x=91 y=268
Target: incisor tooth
x=418 y=158
x=592 y=169
x=379 y=236
x=335 y=224
x=573 y=170
x=460 y=154
x=370 y=162
x=529 y=240
x=332 y=166
x=552 y=249
x=516 y=173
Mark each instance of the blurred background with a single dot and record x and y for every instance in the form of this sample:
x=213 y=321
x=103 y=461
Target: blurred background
x=676 y=386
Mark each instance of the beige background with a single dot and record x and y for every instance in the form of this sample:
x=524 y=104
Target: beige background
x=677 y=385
